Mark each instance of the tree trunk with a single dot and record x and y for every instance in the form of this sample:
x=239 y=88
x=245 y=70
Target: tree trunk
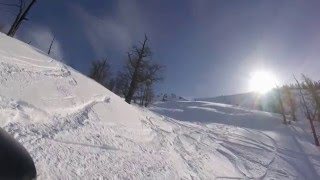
x=15 y=22
x=283 y=113
x=281 y=107
x=20 y=19
x=308 y=114
x=135 y=76
x=294 y=118
x=316 y=140
x=49 y=51
x=132 y=87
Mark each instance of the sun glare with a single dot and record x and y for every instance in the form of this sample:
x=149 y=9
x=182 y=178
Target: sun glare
x=262 y=81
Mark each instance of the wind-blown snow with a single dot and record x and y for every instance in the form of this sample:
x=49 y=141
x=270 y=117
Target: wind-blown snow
x=76 y=129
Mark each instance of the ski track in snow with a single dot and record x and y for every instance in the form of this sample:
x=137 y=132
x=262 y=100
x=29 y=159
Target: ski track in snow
x=239 y=147
x=76 y=129
x=183 y=144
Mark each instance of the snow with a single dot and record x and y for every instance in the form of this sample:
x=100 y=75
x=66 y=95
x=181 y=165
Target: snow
x=76 y=129
x=243 y=99
x=256 y=143
x=249 y=100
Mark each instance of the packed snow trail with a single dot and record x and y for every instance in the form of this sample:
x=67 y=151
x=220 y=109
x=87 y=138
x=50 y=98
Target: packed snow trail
x=76 y=129
x=257 y=143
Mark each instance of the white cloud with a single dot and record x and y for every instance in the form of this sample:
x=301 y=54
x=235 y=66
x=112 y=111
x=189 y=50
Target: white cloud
x=41 y=38
x=115 y=31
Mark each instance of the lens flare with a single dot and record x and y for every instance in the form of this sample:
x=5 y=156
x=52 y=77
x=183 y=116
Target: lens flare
x=262 y=81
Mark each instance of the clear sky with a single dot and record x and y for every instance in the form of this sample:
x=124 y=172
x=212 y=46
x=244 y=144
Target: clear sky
x=209 y=47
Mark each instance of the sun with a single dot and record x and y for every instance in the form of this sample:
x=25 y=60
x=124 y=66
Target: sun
x=262 y=81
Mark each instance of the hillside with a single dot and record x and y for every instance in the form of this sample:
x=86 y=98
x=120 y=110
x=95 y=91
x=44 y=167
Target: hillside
x=248 y=100
x=255 y=142
x=76 y=129
x=251 y=100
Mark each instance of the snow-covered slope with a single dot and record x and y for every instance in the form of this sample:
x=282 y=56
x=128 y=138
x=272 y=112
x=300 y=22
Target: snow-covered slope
x=244 y=99
x=64 y=119
x=256 y=143
x=250 y=100
x=76 y=129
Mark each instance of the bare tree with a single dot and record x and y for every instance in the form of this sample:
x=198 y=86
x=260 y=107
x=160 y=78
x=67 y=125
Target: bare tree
x=148 y=94
x=280 y=101
x=152 y=75
x=139 y=74
x=100 y=71
x=140 y=94
x=122 y=84
x=309 y=111
x=23 y=9
x=290 y=101
x=135 y=65
x=49 y=51
x=312 y=88
x=111 y=84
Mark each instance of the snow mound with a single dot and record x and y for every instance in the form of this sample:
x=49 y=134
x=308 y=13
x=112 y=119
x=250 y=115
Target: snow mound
x=76 y=129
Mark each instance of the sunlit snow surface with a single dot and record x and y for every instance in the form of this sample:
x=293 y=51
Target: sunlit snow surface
x=76 y=129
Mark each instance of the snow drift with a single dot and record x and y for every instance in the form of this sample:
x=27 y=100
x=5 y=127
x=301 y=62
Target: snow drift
x=76 y=129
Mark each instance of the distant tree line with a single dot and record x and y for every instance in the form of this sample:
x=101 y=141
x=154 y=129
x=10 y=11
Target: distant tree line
x=303 y=85
x=310 y=102
x=135 y=82
x=285 y=100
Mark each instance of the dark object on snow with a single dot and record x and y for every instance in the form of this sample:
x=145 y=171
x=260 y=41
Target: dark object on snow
x=15 y=161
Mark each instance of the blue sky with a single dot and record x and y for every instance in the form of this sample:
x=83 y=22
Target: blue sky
x=209 y=47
